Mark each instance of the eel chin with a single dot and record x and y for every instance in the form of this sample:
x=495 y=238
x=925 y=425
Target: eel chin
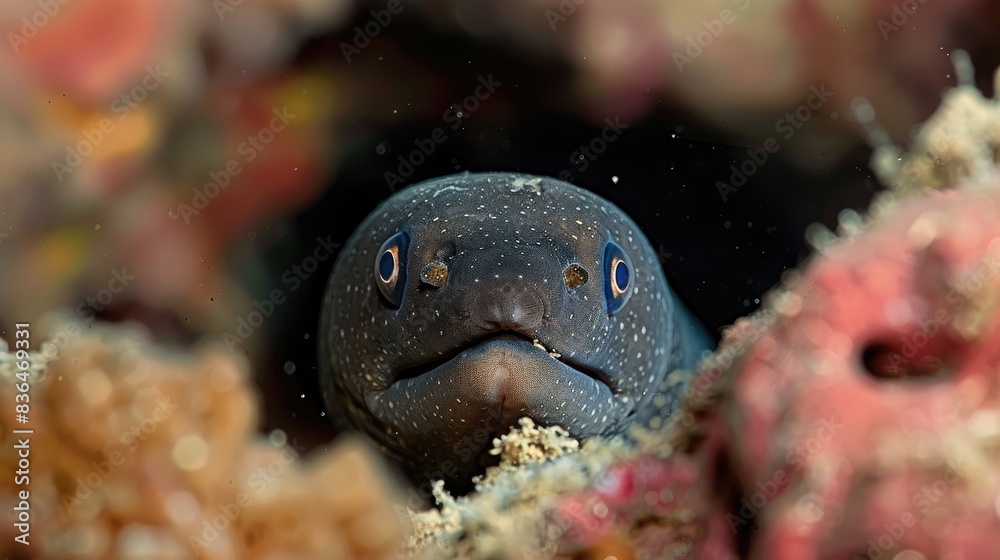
x=452 y=409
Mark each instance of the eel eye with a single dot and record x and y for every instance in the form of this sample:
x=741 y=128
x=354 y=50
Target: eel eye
x=390 y=268
x=617 y=277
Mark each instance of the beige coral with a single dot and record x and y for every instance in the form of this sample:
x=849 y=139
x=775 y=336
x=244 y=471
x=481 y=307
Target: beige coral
x=135 y=451
x=958 y=144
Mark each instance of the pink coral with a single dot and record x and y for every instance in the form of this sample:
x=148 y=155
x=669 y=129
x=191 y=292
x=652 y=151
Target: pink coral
x=889 y=387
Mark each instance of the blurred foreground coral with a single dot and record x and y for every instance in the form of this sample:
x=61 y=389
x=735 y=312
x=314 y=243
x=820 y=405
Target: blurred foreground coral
x=137 y=453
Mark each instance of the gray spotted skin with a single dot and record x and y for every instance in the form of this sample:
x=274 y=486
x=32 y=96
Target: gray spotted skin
x=506 y=240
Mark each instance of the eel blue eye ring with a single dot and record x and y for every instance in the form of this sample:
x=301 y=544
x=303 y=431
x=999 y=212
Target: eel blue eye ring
x=390 y=268
x=617 y=277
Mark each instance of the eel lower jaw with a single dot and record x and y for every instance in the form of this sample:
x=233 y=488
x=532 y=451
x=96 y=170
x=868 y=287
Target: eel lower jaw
x=415 y=372
x=451 y=410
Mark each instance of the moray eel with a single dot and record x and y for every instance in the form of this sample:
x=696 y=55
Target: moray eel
x=464 y=303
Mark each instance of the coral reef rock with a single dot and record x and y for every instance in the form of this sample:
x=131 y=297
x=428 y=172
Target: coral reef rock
x=137 y=452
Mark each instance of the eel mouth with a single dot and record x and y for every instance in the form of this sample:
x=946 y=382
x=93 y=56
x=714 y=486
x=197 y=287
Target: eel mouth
x=529 y=348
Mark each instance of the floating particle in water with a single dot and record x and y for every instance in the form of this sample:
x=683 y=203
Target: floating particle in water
x=614 y=179
x=383 y=148
x=290 y=365
x=277 y=438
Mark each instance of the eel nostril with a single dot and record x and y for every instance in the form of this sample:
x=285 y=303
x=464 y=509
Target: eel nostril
x=574 y=276
x=435 y=273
